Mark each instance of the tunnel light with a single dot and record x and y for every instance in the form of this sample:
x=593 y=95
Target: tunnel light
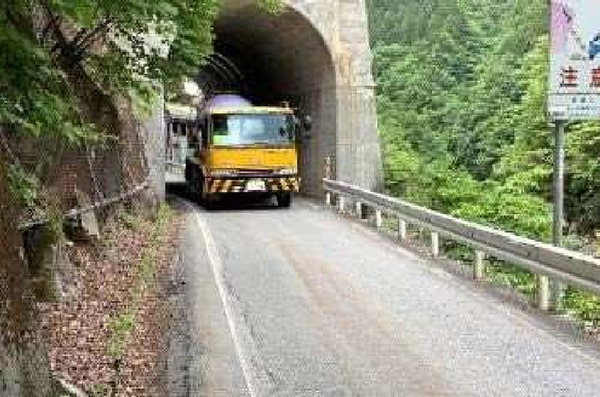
x=191 y=88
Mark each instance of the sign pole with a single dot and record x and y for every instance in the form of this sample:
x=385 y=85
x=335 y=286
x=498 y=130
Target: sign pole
x=559 y=181
x=558 y=289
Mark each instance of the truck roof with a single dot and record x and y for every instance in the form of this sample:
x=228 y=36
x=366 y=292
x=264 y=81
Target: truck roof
x=251 y=110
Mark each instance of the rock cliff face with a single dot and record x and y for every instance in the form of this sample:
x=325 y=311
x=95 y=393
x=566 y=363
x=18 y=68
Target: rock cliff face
x=32 y=265
x=24 y=369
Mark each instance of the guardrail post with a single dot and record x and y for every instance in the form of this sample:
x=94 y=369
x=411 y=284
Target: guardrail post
x=378 y=219
x=328 y=199
x=479 y=265
x=359 y=210
x=402 y=234
x=543 y=292
x=328 y=167
x=341 y=204
x=435 y=244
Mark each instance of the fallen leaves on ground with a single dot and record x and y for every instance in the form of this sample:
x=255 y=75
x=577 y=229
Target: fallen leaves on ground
x=77 y=329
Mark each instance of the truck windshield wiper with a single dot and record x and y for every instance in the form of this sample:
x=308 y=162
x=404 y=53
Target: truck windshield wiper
x=261 y=143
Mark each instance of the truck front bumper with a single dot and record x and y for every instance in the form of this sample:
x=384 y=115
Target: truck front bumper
x=252 y=185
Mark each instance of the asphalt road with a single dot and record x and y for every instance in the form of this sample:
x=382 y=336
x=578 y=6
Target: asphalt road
x=303 y=303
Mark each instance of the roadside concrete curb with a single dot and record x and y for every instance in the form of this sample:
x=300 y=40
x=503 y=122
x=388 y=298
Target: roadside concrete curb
x=69 y=390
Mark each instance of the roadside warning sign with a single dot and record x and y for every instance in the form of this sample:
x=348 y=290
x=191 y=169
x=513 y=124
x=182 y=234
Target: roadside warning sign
x=575 y=60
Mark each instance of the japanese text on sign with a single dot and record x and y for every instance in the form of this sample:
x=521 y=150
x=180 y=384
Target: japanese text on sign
x=575 y=59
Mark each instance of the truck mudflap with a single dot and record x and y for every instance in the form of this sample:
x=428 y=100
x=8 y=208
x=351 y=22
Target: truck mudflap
x=265 y=185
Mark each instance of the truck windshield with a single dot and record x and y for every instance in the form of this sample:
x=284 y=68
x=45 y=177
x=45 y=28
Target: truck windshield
x=252 y=129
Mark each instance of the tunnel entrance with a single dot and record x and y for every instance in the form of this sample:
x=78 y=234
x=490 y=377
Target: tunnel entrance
x=274 y=58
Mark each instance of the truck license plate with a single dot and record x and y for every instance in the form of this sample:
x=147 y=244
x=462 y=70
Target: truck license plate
x=256 y=185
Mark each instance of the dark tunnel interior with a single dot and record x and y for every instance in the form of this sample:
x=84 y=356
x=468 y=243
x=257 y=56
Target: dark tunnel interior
x=267 y=58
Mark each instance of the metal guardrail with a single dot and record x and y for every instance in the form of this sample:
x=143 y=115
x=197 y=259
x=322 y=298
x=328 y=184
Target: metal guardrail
x=542 y=259
x=89 y=208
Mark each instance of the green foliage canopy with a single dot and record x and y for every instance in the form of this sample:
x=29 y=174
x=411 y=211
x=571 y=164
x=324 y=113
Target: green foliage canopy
x=42 y=41
x=462 y=86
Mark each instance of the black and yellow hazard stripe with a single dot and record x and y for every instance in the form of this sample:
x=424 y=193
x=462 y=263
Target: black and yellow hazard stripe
x=275 y=185
x=284 y=185
x=226 y=186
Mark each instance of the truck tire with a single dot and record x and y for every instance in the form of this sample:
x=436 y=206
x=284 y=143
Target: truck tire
x=209 y=202
x=284 y=200
x=206 y=199
x=189 y=178
x=194 y=182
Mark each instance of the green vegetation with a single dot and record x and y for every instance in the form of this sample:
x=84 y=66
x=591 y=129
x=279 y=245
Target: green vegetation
x=68 y=66
x=100 y=390
x=461 y=92
x=23 y=187
x=120 y=328
x=106 y=40
x=37 y=96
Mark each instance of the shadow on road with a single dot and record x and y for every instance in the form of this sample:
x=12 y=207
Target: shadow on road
x=234 y=202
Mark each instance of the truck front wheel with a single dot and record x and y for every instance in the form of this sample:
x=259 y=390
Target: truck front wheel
x=284 y=200
x=195 y=183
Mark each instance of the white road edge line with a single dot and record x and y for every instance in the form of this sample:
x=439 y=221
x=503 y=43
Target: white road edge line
x=217 y=268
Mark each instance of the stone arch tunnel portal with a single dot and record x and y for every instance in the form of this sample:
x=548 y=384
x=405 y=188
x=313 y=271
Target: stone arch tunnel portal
x=292 y=57
x=274 y=58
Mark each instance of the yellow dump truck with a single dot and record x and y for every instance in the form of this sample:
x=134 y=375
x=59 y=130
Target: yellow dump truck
x=244 y=149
